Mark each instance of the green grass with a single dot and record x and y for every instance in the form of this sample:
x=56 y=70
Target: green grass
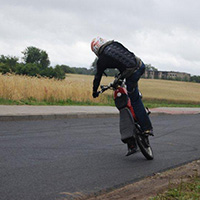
x=147 y=103
x=44 y=102
x=166 y=103
x=184 y=191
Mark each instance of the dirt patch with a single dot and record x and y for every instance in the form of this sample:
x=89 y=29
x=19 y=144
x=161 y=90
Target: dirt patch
x=150 y=186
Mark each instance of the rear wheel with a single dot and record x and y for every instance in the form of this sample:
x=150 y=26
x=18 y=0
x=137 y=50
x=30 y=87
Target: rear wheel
x=143 y=143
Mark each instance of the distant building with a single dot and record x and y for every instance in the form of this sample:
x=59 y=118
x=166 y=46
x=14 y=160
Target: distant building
x=167 y=75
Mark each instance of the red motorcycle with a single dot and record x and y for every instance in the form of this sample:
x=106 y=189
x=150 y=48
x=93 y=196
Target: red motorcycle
x=129 y=126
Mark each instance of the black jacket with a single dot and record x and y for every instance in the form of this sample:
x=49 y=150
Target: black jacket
x=113 y=55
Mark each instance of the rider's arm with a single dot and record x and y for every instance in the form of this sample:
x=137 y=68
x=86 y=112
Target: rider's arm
x=96 y=82
x=101 y=66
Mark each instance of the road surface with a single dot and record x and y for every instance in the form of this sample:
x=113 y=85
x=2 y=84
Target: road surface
x=48 y=159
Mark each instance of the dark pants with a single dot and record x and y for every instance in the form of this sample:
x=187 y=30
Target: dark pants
x=136 y=100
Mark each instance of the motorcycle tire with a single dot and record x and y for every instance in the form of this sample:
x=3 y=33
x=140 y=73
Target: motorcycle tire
x=144 y=145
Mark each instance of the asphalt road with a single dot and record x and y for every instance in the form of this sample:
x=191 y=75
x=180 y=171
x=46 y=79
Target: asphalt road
x=51 y=158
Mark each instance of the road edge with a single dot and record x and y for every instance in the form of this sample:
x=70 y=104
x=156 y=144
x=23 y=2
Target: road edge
x=72 y=116
x=54 y=116
x=150 y=186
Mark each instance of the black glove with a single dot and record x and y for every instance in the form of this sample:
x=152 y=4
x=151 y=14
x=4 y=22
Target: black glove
x=95 y=94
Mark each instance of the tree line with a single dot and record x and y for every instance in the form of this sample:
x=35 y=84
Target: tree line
x=35 y=62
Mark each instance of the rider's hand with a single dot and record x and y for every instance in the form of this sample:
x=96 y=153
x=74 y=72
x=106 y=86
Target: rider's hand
x=116 y=82
x=95 y=94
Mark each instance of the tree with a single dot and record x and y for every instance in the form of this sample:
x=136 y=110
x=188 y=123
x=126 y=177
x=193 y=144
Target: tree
x=195 y=79
x=67 y=69
x=149 y=67
x=59 y=72
x=4 y=69
x=27 y=69
x=8 y=64
x=36 y=56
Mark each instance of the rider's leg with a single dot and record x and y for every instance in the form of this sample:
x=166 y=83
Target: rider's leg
x=132 y=146
x=136 y=101
x=140 y=111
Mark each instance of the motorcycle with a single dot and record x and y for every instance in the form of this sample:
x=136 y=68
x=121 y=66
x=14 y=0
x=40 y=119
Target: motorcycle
x=128 y=124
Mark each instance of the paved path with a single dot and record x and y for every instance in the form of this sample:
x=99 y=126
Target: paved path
x=54 y=112
x=49 y=159
x=176 y=110
x=59 y=112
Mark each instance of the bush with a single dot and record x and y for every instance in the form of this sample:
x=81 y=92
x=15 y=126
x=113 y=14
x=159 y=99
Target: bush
x=27 y=69
x=33 y=65
x=59 y=72
x=4 y=68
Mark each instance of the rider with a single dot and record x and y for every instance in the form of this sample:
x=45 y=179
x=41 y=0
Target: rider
x=112 y=54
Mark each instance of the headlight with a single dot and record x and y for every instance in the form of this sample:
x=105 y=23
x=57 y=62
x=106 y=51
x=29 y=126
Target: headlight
x=119 y=94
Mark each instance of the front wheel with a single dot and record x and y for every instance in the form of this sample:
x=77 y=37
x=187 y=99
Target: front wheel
x=143 y=143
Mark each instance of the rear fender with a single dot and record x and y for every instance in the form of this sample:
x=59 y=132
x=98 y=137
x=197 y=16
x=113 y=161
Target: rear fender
x=127 y=125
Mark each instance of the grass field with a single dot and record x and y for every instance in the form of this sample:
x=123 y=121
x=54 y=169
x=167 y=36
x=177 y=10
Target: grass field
x=184 y=191
x=77 y=89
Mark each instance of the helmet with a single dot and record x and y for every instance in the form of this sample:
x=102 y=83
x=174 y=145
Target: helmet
x=97 y=43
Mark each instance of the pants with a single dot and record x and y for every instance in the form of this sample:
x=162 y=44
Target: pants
x=136 y=101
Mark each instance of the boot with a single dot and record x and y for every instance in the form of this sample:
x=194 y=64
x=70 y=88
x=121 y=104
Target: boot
x=148 y=132
x=132 y=147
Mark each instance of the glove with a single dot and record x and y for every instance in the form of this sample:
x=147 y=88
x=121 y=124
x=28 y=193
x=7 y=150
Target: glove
x=95 y=94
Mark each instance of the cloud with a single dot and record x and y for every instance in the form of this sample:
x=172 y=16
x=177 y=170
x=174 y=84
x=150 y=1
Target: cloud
x=163 y=33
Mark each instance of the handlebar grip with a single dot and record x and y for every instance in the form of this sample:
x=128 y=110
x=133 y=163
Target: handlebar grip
x=103 y=89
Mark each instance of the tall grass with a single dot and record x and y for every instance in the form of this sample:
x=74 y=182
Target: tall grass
x=78 y=88
x=172 y=91
x=75 y=88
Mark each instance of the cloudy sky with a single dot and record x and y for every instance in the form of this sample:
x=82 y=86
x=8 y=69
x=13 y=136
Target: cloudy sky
x=164 y=33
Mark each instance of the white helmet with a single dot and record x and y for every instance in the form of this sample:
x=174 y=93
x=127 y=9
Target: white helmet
x=97 y=43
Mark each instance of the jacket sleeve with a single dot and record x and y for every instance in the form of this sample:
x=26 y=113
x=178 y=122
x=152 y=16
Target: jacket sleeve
x=96 y=82
x=100 y=69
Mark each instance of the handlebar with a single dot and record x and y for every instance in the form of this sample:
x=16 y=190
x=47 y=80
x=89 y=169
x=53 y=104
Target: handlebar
x=118 y=81
x=104 y=88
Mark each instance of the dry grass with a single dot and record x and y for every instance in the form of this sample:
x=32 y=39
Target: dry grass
x=175 y=91
x=79 y=88
x=74 y=87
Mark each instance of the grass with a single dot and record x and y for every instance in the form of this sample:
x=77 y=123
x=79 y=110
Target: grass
x=59 y=102
x=184 y=191
x=77 y=90
x=167 y=103
x=171 y=90
x=149 y=104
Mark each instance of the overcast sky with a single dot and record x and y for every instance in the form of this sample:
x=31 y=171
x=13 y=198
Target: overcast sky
x=164 y=33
